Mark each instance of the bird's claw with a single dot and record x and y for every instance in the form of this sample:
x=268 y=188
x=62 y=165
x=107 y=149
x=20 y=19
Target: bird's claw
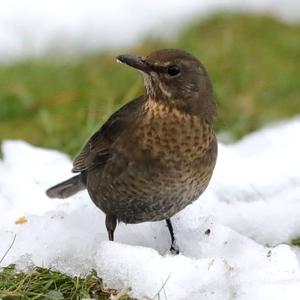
x=174 y=249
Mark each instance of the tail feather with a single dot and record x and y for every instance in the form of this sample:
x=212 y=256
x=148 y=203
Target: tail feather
x=67 y=188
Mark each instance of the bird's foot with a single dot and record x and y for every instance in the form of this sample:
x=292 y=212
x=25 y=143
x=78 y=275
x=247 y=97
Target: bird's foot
x=174 y=249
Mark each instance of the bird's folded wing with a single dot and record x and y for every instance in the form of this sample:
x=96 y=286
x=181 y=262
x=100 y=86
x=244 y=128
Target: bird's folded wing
x=97 y=149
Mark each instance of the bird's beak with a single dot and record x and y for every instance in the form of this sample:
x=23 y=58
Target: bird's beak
x=136 y=62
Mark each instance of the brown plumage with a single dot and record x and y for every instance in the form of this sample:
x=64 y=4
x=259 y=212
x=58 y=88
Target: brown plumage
x=156 y=154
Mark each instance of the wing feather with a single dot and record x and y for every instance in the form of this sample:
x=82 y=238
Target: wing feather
x=97 y=150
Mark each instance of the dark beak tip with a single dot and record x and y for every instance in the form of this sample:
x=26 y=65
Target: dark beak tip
x=120 y=59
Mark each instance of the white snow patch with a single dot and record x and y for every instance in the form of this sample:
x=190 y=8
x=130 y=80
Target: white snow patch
x=34 y=28
x=232 y=240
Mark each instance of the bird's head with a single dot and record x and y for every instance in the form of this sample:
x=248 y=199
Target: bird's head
x=175 y=77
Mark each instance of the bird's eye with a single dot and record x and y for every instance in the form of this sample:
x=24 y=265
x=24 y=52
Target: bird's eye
x=173 y=70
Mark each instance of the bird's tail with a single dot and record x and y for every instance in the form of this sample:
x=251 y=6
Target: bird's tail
x=67 y=188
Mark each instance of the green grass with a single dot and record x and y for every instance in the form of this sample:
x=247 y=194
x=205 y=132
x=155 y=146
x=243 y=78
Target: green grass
x=296 y=242
x=44 y=284
x=254 y=63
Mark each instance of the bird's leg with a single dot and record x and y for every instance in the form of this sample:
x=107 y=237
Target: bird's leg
x=111 y=224
x=174 y=248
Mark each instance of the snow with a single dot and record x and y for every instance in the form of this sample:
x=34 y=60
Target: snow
x=34 y=28
x=233 y=240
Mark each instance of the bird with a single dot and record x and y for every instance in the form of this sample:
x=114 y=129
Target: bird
x=156 y=154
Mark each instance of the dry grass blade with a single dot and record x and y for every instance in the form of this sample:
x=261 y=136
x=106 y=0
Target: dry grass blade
x=5 y=254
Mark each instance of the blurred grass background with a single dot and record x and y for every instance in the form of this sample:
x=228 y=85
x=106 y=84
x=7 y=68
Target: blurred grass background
x=253 y=61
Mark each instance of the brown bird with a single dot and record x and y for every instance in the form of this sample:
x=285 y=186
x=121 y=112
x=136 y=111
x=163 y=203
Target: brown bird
x=157 y=153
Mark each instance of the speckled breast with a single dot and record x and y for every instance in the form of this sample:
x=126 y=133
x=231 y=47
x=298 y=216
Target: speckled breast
x=173 y=157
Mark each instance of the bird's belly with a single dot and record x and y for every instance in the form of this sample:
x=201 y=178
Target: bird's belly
x=136 y=196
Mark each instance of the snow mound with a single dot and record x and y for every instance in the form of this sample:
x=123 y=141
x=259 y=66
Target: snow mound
x=34 y=28
x=233 y=241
